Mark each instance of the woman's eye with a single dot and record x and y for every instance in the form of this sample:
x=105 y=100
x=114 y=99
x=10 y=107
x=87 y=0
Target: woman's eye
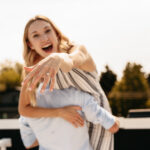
x=47 y=31
x=35 y=35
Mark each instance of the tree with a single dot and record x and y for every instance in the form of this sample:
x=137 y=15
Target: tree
x=131 y=91
x=133 y=79
x=10 y=75
x=148 y=79
x=10 y=78
x=107 y=80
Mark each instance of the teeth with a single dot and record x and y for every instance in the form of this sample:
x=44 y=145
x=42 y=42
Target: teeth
x=46 y=46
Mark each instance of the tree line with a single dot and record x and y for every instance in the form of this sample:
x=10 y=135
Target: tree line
x=132 y=91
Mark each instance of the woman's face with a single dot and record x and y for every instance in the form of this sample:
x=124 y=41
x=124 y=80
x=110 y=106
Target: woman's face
x=42 y=38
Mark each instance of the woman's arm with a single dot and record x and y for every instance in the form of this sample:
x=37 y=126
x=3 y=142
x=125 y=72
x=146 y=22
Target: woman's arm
x=49 y=66
x=26 y=109
x=68 y=113
x=78 y=57
x=82 y=59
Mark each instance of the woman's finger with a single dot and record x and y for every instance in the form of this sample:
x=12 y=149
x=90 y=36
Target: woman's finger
x=52 y=73
x=72 y=122
x=29 y=69
x=80 y=119
x=36 y=79
x=31 y=75
x=75 y=124
x=52 y=84
x=77 y=116
x=80 y=122
x=46 y=81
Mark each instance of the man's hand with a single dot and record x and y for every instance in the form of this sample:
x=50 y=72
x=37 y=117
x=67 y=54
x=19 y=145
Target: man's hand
x=115 y=127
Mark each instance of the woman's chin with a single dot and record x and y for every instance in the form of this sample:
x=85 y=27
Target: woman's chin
x=47 y=53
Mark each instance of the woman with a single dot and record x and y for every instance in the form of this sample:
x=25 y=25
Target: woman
x=43 y=40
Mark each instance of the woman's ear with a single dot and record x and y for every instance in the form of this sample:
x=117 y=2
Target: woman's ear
x=30 y=45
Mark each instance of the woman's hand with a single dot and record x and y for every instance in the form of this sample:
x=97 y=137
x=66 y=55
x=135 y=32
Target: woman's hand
x=47 y=69
x=70 y=114
x=115 y=127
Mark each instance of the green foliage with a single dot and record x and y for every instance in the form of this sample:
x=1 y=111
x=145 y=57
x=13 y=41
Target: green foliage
x=10 y=75
x=130 y=92
x=107 y=80
x=133 y=79
x=3 y=87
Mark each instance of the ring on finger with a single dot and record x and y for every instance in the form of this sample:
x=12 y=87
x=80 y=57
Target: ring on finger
x=48 y=74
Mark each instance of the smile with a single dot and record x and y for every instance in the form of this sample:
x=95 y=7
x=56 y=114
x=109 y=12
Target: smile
x=48 y=48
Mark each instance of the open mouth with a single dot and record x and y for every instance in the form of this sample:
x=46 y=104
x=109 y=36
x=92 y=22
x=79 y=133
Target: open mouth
x=48 y=48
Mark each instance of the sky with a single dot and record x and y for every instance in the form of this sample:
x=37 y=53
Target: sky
x=113 y=31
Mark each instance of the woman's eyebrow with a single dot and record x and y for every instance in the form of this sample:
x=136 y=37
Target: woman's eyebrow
x=43 y=28
x=47 y=27
x=34 y=32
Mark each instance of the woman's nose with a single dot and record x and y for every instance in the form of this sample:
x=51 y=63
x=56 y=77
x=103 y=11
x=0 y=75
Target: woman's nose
x=44 y=38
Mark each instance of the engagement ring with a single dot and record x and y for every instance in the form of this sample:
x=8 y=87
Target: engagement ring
x=48 y=74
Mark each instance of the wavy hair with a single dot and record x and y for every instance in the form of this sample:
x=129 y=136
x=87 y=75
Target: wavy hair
x=31 y=57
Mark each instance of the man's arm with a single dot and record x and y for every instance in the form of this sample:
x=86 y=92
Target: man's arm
x=98 y=115
x=35 y=144
x=27 y=134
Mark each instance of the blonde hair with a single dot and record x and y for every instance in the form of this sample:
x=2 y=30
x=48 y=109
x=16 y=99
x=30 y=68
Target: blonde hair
x=31 y=57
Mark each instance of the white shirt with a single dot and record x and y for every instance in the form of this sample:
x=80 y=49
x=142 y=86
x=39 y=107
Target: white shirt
x=58 y=134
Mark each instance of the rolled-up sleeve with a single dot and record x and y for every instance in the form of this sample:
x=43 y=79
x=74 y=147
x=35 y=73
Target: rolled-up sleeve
x=26 y=132
x=96 y=114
